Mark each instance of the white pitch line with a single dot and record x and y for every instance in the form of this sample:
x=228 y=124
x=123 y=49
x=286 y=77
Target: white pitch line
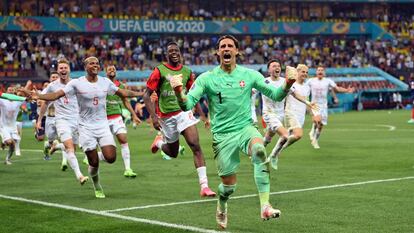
x=254 y=195
x=390 y=127
x=118 y=216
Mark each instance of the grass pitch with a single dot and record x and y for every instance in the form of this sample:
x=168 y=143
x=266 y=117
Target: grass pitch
x=361 y=180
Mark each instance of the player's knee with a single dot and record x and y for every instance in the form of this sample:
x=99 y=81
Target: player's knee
x=258 y=153
x=110 y=159
x=227 y=190
x=298 y=135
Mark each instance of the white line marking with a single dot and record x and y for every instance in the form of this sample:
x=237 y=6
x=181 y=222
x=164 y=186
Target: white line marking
x=254 y=195
x=390 y=127
x=118 y=216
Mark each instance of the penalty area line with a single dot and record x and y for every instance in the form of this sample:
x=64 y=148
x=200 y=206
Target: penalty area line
x=255 y=195
x=111 y=215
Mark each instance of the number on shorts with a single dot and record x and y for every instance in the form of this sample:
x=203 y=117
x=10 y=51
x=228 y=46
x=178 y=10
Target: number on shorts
x=95 y=100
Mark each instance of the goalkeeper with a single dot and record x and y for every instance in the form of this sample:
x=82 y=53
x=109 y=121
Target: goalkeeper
x=228 y=88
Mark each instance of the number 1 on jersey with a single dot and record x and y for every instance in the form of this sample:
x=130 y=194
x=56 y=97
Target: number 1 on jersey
x=220 y=99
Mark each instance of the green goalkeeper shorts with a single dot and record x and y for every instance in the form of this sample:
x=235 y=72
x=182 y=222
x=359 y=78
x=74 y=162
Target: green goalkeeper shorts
x=227 y=147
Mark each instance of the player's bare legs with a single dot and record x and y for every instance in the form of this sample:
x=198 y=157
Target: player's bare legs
x=191 y=136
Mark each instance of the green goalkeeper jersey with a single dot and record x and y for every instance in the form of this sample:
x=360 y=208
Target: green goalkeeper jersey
x=229 y=96
x=114 y=102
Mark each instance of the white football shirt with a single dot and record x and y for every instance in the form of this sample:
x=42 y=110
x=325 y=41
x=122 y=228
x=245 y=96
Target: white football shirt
x=319 y=90
x=270 y=106
x=91 y=100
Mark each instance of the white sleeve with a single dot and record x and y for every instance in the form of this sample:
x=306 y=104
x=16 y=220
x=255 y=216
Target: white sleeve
x=46 y=90
x=331 y=83
x=70 y=87
x=112 y=88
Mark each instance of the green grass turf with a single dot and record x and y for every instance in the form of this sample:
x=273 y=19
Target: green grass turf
x=355 y=147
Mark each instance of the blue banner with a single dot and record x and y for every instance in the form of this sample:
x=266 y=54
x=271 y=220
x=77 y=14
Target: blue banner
x=54 y=24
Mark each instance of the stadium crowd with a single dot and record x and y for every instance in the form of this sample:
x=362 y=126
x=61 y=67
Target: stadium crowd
x=141 y=52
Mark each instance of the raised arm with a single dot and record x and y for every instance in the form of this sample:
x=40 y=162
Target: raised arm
x=276 y=94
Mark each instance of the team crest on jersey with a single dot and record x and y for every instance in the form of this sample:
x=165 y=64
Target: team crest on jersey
x=267 y=81
x=242 y=83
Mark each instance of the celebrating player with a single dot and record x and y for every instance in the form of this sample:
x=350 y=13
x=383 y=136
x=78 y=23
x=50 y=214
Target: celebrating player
x=170 y=119
x=320 y=87
x=91 y=92
x=229 y=88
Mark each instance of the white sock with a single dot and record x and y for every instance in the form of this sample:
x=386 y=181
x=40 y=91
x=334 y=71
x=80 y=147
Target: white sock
x=47 y=144
x=266 y=140
x=159 y=144
x=126 y=155
x=202 y=177
x=17 y=145
x=278 y=147
x=73 y=163
x=60 y=146
x=290 y=140
x=101 y=156
x=312 y=132
x=315 y=132
x=94 y=174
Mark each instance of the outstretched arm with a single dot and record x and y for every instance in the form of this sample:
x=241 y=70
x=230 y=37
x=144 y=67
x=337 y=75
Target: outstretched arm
x=12 y=97
x=312 y=106
x=127 y=104
x=126 y=93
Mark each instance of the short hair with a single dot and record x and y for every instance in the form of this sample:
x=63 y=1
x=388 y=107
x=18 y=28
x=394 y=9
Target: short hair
x=106 y=68
x=271 y=61
x=86 y=61
x=53 y=72
x=172 y=43
x=301 y=66
x=236 y=42
x=62 y=61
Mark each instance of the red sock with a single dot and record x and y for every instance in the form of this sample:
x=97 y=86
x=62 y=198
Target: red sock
x=412 y=112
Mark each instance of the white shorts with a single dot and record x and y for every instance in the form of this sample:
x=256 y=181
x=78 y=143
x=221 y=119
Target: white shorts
x=117 y=126
x=19 y=125
x=9 y=134
x=273 y=121
x=294 y=120
x=324 y=115
x=67 y=129
x=89 y=139
x=50 y=128
x=171 y=127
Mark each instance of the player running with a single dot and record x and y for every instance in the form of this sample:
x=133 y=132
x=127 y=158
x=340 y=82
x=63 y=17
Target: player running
x=169 y=118
x=294 y=114
x=228 y=88
x=116 y=123
x=9 y=109
x=91 y=92
x=320 y=87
